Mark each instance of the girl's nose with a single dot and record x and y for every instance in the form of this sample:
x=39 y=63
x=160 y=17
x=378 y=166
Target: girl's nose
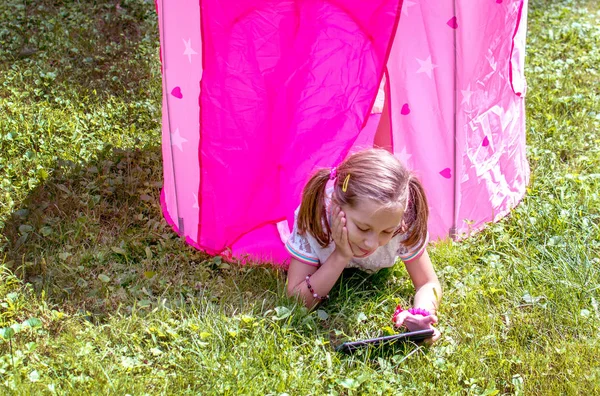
x=371 y=243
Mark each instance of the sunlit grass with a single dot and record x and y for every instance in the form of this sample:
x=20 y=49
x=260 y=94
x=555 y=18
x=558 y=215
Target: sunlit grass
x=124 y=306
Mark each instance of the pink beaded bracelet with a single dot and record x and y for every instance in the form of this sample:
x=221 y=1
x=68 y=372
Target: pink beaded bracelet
x=413 y=311
x=314 y=294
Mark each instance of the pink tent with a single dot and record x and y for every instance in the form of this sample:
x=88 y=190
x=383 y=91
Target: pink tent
x=258 y=94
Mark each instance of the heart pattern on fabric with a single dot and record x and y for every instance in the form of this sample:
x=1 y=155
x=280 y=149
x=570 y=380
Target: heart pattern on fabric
x=452 y=23
x=486 y=142
x=446 y=173
x=405 y=109
x=177 y=92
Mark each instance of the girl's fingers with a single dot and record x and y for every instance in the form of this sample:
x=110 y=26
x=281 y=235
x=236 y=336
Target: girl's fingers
x=410 y=319
x=336 y=220
x=417 y=322
x=401 y=318
x=436 y=336
x=339 y=229
x=339 y=222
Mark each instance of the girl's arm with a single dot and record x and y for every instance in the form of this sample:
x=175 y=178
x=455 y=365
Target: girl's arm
x=428 y=291
x=427 y=296
x=321 y=280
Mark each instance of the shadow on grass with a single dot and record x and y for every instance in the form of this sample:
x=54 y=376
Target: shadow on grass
x=93 y=237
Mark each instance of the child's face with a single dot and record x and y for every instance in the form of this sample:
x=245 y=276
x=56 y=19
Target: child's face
x=371 y=225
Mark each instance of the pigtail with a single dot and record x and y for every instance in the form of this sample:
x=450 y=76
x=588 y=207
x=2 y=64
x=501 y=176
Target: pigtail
x=312 y=215
x=418 y=201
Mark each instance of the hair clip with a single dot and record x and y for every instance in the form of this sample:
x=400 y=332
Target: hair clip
x=345 y=185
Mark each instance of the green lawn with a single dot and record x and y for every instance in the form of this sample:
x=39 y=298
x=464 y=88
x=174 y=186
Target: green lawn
x=98 y=295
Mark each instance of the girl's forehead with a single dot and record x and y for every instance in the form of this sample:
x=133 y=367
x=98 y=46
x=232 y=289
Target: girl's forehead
x=376 y=215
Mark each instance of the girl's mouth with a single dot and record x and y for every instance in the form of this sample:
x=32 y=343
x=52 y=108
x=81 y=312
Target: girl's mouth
x=364 y=252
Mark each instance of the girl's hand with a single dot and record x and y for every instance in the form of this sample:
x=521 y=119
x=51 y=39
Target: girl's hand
x=339 y=232
x=418 y=322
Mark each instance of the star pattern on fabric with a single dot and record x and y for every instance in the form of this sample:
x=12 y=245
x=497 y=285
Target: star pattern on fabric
x=189 y=51
x=177 y=139
x=406 y=5
x=466 y=95
x=403 y=156
x=426 y=66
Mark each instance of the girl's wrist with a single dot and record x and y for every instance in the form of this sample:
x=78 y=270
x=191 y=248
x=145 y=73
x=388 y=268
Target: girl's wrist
x=429 y=308
x=412 y=311
x=340 y=257
x=428 y=297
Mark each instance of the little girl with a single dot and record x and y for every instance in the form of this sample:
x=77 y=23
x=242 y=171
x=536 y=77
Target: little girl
x=366 y=213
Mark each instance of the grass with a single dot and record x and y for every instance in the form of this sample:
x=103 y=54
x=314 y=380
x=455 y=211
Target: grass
x=98 y=295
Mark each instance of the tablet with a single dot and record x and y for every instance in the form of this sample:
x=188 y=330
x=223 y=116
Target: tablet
x=411 y=336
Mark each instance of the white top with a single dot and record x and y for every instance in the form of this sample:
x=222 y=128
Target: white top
x=306 y=249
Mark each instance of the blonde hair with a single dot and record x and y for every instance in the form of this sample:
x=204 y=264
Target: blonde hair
x=375 y=174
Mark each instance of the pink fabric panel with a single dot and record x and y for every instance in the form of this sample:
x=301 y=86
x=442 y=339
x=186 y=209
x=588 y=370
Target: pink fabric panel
x=491 y=171
x=286 y=88
x=421 y=75
x=494 y=171
x=181 y=54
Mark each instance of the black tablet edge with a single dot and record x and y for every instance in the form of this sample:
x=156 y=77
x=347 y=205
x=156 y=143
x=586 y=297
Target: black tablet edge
x=411 y=336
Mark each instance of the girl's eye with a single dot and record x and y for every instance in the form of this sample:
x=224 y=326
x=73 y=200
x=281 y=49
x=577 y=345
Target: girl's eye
x=360 y=229
x=388 y=232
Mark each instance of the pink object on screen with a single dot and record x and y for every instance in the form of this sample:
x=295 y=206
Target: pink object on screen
x=259 y=94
